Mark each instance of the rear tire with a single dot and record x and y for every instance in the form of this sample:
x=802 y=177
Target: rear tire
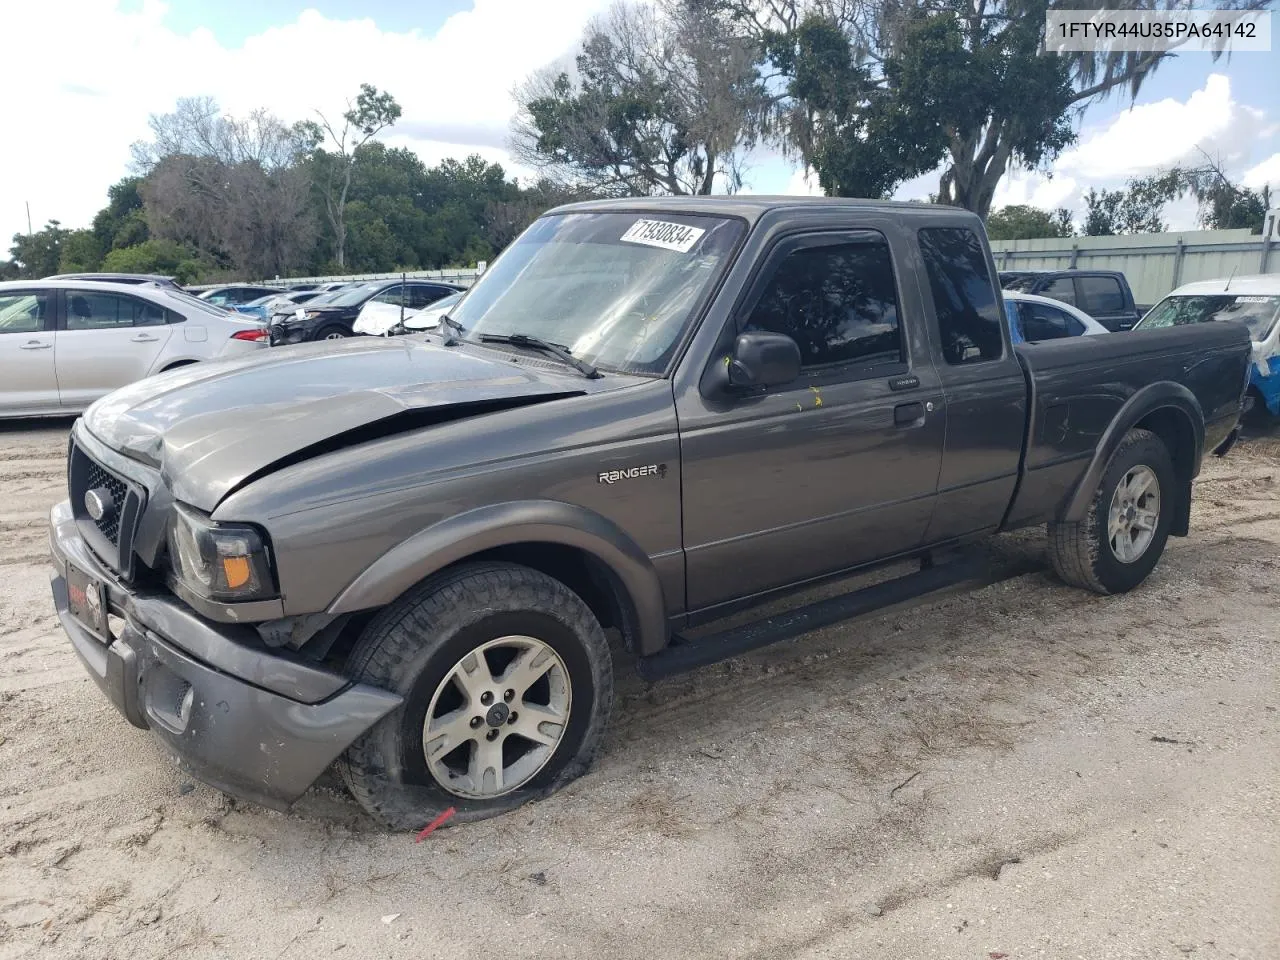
x=460 y=649
x=1123 y=535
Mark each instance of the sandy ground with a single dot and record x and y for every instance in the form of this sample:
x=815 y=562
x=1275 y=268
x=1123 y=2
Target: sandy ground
x=1025 y=771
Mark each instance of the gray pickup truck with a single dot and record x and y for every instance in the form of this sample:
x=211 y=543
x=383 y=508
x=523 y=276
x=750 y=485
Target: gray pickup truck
x=403 y=554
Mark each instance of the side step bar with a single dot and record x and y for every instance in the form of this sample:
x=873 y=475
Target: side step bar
x=684 y=654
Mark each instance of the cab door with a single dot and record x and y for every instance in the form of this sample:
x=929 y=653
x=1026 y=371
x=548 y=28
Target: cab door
x=836 y=469
x=28 y=383
x=105 y=340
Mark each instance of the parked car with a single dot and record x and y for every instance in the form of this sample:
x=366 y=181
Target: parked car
x=335 y=317
x=231 y=296
x=647 y=415
x=381 y=319
x=129 y=278
x=1253 y=301
x=1034 y=319
x=64 y=343
x=264 y=307
x=1102 y=294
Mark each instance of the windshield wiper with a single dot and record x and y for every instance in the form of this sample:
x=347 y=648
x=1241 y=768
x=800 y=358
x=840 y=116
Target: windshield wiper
x=536 y=343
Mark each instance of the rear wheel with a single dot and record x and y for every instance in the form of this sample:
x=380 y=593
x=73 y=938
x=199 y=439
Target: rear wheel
x=507 y=685
x=1122 y=537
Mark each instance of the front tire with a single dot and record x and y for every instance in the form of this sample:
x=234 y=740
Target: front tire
x=1122 y=537
x=332 y=333
x=507 y=684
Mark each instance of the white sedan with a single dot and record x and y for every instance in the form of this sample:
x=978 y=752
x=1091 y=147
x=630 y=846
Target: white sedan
x=1033 y=319
x=65 y=343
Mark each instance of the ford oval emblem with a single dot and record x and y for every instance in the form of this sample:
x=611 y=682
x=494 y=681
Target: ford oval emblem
x=99 y=503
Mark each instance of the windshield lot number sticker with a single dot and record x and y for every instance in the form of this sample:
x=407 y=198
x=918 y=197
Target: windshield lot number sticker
x=660 y=233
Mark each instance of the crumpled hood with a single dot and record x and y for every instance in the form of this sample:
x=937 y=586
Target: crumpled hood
x=210 y=426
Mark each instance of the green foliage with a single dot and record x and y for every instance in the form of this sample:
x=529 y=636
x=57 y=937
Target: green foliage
x=157 y=256
x=1137 y=209
x=38 y=254
x=1021 y=222
x=81 y=252
x=122 y=222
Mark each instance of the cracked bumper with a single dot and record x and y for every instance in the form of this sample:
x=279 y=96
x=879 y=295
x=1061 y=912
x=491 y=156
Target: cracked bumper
x=251 y=722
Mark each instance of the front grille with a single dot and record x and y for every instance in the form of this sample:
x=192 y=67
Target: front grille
x=99 y=479
x=111 y=536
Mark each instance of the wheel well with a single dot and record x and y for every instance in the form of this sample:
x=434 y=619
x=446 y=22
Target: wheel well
x=583 y=573
x=1174 y=428
x=178 y=363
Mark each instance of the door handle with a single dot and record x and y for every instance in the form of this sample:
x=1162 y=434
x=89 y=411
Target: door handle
x=143 y=338
x=36 y=345
x=905 y=414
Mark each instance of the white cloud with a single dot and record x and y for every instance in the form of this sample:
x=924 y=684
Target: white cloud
x=1149 y=137
x=1267 y=173
x=67 y=136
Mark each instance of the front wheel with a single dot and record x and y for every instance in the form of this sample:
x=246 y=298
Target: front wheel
x=1120 y=541
x=331 y=333
x=507 y=684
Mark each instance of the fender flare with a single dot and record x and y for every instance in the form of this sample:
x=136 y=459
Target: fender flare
x=508 y=524
x=1164 y=394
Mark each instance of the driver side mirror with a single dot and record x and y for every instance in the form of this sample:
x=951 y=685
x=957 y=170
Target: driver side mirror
x=763 y=359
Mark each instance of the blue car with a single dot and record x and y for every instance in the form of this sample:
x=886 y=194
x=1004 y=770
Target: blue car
x=264 y=307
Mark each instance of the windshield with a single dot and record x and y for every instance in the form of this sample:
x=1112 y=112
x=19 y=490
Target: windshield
x=1257 y=313
x=616 y=289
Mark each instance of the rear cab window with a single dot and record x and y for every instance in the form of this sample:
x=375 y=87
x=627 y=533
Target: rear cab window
x=964 y=298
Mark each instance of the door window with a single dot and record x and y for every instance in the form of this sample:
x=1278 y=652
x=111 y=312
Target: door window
x=1040 y=322
x=24 y=312
x=1101 y=295
x=1062 y=288
x=392 y=296
x=838 y=302
x=108 y=311
x=963 y=294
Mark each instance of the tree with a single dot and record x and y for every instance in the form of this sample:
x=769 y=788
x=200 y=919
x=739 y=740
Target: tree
x=1222 y=204
x=231 y=189
x=1138 y=208
x=664 y=99
x=157 y=256
x=38 y=254
x=870 y=94
x=1020 y=222
x=372 y=112
x=81 y=252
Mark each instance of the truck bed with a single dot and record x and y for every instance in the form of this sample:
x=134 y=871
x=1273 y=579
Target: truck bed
x=1079 y=386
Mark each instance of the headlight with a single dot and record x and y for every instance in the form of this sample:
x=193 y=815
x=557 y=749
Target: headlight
x=219 y=561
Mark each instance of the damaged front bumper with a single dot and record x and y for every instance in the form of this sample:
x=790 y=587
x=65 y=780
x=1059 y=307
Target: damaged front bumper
x=247 y=720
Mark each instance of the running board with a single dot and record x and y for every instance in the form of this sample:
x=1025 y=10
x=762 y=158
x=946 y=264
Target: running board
x=687 y=654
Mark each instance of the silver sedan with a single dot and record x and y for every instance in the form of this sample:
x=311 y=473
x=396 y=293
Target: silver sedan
x=64 y=343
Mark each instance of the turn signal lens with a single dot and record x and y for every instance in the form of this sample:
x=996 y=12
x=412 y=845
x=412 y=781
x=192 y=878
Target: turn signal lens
x=236 y=570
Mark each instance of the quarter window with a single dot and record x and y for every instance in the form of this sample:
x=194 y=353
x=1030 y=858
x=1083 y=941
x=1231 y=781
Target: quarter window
x=838 y=302
x=963 y=295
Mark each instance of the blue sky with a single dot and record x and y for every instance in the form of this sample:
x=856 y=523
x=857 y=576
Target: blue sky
x=452 y=64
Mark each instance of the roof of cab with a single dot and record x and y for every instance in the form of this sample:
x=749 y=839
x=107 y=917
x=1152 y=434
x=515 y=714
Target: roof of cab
x=1260 y=284
x=752 y=206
